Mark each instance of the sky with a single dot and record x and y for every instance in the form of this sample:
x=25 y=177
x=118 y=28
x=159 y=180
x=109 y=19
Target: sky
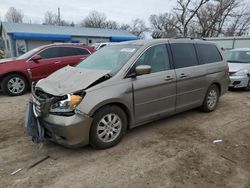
x=122 y=11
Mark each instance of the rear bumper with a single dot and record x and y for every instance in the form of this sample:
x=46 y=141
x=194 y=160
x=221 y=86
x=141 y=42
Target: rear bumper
x=70 y=131
x=239 y=81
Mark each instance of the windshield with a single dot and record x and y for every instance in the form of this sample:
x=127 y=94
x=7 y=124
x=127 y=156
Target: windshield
x=28 y=54
x=111 y=58
x=238 y=56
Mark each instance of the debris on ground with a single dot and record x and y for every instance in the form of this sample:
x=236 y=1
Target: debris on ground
x=38 y=162
x=217 y=141
x=16 y=171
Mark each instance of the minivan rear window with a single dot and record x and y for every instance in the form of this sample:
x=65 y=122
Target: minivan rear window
x=207 y=53
x=184 y=55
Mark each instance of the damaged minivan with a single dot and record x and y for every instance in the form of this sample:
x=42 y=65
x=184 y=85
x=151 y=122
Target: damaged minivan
x=125 y=85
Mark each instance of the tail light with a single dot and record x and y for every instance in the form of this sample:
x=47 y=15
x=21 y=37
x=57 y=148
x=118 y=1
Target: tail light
x=226 y=69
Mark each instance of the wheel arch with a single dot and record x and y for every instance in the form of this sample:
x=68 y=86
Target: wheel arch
x=218 y=85
x=119 y=104
x=16 y=72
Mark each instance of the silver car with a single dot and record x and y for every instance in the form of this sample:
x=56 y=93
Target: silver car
x=239 y=68
x=123 y=86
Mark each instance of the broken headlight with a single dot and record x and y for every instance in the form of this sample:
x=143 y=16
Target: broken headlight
x=66 y=105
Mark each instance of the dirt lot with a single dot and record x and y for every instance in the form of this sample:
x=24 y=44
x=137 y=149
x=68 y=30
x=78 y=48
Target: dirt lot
x=174 y=152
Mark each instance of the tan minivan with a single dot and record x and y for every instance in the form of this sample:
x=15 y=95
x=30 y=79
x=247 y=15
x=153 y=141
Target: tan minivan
x=125 y=85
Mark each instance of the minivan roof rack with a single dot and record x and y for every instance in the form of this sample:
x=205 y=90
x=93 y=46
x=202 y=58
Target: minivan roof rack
x=191 y=38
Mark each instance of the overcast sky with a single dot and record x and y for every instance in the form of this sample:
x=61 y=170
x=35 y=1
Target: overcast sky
x=122 y=11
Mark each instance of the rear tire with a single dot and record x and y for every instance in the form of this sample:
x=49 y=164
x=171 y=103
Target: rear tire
x=14 y=85
x=108 y=127
x=211 y=99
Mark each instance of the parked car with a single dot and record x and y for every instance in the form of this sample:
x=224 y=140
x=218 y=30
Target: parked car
x=125 y=85
x=239 y=68
x=16 y=74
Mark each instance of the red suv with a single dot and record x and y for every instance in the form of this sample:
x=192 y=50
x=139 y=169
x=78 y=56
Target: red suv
x=16 y=74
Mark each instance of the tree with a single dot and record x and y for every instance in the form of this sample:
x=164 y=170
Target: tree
x=185 y=12
x=94 y=19
x=50 y=18
x=240 y=24
x=111 y=25
x=203 y=18
x=224 y=17
x=163 y=25
x=14 y=15
x=137 y=28
x=125 y=27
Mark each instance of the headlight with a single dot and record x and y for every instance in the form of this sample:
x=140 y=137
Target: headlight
x=67 y=105
x=242 y=72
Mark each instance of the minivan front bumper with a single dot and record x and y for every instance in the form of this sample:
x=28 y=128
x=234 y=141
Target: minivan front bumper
x=70 y=131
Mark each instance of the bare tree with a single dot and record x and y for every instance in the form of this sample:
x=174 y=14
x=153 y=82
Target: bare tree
x=239 y=23
x=222 y=17
x=111 y=25
x=94 y=19
x=50 y=18
x=138 y=28
x=14 y=15
x=163 y=25
x=99 y=20
x=185 y=12
x=125 y=27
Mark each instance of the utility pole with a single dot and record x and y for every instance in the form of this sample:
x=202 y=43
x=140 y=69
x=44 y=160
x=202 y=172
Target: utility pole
x=59 y=16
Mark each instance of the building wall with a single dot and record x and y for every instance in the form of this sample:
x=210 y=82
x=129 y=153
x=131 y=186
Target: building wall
x=92 y=40
x=31 y=44
x=15 y=48
x=231 y=42
x=80 y=40
x=8 y=44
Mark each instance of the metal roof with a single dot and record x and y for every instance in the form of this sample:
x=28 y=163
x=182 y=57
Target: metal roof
x=63 y=30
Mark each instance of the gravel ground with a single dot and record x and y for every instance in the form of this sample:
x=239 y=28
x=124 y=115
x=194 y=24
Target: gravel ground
x=173 y=152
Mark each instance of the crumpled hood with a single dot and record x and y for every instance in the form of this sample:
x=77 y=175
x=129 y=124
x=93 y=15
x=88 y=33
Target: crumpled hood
x=69 y=80
x=6 y=60
x=234 y=67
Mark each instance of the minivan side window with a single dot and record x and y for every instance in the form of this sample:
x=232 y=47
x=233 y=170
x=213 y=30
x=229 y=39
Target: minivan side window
x=68 y=51
x=156 y=57
x=52 y=52
x=207 y=53
x=184 y=55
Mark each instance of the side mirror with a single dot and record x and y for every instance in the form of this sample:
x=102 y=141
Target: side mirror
x=142 y=69
x=36 y=58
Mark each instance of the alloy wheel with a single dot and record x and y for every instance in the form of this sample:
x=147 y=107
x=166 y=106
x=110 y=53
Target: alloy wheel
x=109 y=127
x=16 y=85
x=212 y=99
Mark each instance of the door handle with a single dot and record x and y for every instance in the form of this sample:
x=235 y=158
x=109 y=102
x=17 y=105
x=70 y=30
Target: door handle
x=183 y=75
x=168 y=78
x=57 y=62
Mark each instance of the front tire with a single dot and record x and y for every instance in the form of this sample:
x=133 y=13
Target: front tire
x=108 y=127
x=14 y=85
x=211 y=99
